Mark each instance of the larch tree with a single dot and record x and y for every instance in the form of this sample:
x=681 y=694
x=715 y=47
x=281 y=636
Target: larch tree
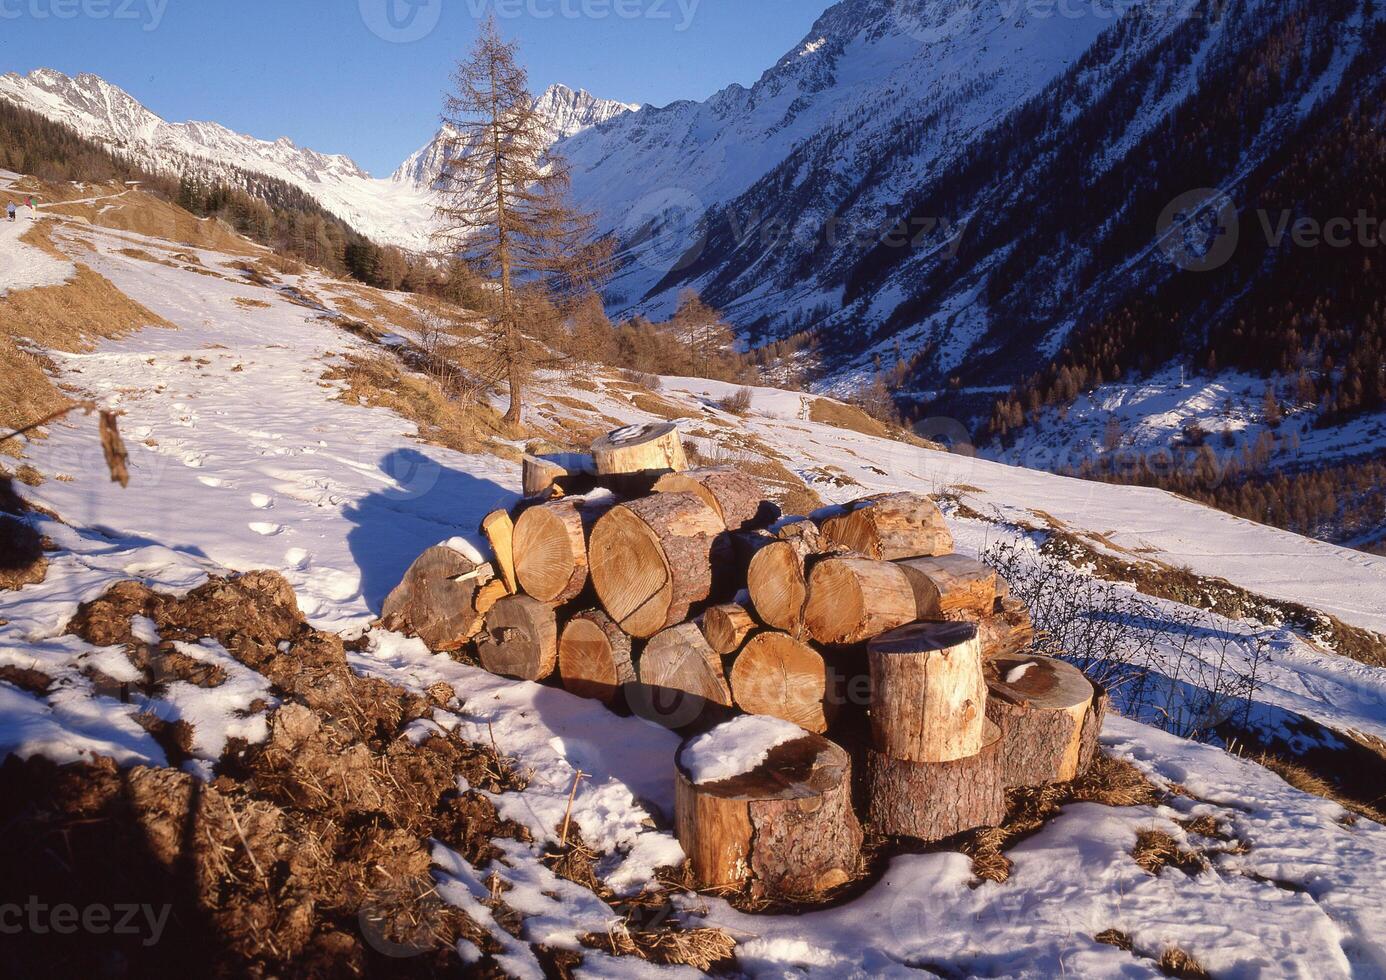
x=504 y=207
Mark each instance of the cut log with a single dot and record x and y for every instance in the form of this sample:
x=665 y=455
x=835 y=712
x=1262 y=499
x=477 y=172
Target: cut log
x=540 y=477
x=485 y=600
x=779 y=586
x=652 y=560
x=735 y=497
x=436 y=600
x=931 y=801
x=1007 y=632
x=949 y=584
x=928 y=692
x=520 y=639
x=594 y=657
x=727 y=626
x=777 y=675
x=640 y=450
x=500 y=531
x=1049 y=716
x=890 y=527
x=679 y=659
x=551 y=548
x=854 y=599
x=785 y=829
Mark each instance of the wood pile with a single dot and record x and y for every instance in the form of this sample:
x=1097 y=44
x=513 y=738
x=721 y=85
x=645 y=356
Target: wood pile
x=681 y=595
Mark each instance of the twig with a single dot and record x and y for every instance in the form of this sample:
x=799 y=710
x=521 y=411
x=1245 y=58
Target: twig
x=89 y=407
x=568 y=813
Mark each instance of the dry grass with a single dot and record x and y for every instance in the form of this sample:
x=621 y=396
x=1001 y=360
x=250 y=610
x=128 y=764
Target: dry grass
x=381 y=381
x=143 y=214
x=1306 y=781
x=698 y=948
x=1156 y=850
x=750 y=455
x=1174 y=962
x=841 y=416
x=250 y=304
x=68 y=317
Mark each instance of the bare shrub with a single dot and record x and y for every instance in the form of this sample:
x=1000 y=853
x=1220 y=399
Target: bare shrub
x=737 y=403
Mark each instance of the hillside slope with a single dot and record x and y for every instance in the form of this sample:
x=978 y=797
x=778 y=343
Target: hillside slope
x=254 y=447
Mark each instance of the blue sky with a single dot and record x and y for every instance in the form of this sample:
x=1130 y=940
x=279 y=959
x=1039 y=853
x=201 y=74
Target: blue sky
x=355 y=80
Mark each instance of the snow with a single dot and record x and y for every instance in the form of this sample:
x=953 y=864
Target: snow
x=24 y=266
x=356 y=497
x=1016 y=674
x=735 y=747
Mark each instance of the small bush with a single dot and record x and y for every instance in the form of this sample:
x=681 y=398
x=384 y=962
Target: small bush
x=737 y=403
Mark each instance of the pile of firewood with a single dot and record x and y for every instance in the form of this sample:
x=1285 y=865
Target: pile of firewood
x=680 y=594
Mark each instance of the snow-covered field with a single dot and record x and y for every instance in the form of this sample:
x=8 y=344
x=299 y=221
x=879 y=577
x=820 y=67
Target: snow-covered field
x=242 y=457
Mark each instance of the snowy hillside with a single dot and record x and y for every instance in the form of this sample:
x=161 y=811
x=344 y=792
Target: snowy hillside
x=251 y=449
x=397 y=211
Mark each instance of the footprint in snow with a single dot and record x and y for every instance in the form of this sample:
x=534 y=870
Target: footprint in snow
x=298 y=559
x=211 y=481
x=268 y=530
x=261 y=501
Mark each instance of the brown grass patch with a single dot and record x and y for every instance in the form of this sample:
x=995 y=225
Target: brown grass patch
x=250 y=304
x=68 y=317
x=1156 y=850
x=1174 y=962
x=658 y=406
x=144 y=214
x=380 y=381
x=841 y=416
x=143 y=256
x=1307 y=781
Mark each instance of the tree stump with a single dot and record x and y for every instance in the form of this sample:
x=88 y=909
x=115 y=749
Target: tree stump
x=594 y=657
x=777 y=675
x=735 y=497
x=520 y=639
x=928 y=692
x=436 y=599
x=653 y=559
x=890 y=527
x=500 y=532
x=949 y=584
x=539 y=477
x=551 y=548
x=854 y=599
x=786 y=828
x=679 y=659
x=727 y=626
x=931 y=801
x=646 y=451
x=1050 y=717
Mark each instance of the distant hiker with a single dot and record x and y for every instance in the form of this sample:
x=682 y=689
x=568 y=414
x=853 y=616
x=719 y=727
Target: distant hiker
x=33 y=208
x=10 y=211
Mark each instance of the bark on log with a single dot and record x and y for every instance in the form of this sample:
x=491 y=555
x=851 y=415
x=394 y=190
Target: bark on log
x=931 y=801
x=653 y=559
x=727 y=627
x=500 y=532
x=777 y=675
x=928 y=692
x=594 y=657
x=950 y=584
x=436 y=600
x=645 y=450
x=890 y=527
x=735 y=497
x=1050 y=716
x=851 y=600
x=520 y=639
x=786 y=829
x=551 y=548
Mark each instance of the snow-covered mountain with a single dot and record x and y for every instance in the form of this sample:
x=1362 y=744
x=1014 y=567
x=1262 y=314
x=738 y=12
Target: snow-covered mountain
x=396 y=211
x=568 y=113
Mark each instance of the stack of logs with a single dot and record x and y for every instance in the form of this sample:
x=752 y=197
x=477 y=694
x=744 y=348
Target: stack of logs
x=681 y=595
